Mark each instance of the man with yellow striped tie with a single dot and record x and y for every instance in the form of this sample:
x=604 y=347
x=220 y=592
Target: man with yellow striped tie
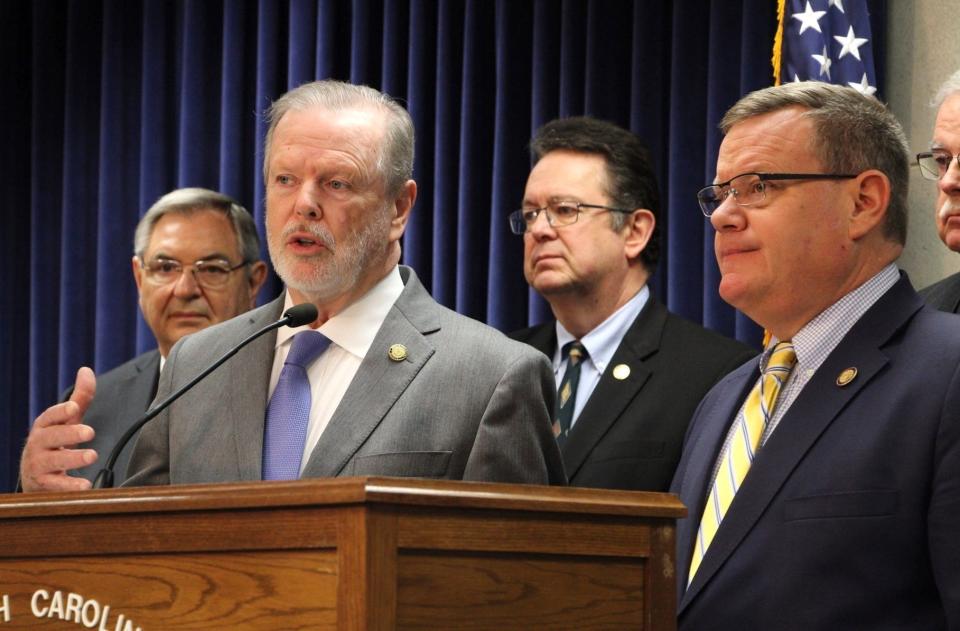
x=823 y=481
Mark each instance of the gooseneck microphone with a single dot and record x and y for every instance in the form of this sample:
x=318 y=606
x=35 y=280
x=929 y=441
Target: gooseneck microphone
x=297 y=315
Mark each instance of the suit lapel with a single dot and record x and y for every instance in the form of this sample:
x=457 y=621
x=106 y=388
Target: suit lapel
x=612 y=396
x=700 y=454
x=543 y=338
x=250 y=376
x=952 y=297
x=140 y=385
x=133 y=394
x=818 y=405
x=380 y=381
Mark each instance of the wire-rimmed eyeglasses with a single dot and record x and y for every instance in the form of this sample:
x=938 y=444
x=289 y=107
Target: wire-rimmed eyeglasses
x=562 y=213
x=935 y=164
x=751 y=188
x=208 y=272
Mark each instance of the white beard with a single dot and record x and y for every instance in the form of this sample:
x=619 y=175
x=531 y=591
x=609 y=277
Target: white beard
x=340 y=267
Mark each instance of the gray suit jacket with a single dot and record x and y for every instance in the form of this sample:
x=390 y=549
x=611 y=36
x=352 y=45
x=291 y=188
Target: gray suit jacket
x=123 y=395
x=466 y=403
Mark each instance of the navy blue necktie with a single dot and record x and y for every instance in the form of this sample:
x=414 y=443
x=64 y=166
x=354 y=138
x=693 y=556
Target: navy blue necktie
x=288 y=412
x=575 y=353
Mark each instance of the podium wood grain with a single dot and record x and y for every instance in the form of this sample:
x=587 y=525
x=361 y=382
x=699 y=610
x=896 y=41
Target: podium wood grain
x=350 y=553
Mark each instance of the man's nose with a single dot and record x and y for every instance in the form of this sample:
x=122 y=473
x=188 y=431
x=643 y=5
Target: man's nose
x=728 y=215
x=186 y=286
x=541 y=225
x=308 y=204
x=950 y=182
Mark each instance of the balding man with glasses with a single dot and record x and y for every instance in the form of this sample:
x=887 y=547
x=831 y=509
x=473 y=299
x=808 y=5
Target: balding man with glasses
x=940 y=165
x=822 y=481
x=629 y=373
x=196 y=263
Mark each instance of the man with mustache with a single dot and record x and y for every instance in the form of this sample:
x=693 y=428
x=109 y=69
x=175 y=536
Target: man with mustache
x=196 y=263
x=385 y=381
x=823 y=481
x=940 y=164
x=589 y=226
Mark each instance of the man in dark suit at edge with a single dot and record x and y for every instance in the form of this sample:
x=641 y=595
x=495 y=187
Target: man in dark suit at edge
x=824 y=488
x=589 y=222
x=182 y=228
x=940 y=164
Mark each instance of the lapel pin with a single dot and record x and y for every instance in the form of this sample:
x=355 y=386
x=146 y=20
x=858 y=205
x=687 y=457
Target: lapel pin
x=621 y=372
x=846 y=376
x=397 y=352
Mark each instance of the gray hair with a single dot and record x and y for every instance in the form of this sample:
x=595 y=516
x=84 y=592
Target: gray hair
x=186 y=201
x=852 y=133
x=948 y=88
x=395 y=156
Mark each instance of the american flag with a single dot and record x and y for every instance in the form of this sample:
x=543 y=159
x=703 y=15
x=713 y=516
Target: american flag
x=825 y=40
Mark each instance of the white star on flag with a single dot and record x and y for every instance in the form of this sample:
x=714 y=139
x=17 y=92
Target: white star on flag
x=809 y=19
x=824 y=61
x=813 y=55
x=851 y=44
x=863 y=86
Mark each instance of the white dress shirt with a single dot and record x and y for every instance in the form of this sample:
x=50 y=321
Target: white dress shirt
x=351 y=333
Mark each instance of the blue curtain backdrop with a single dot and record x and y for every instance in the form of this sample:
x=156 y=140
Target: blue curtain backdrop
x=110 y=103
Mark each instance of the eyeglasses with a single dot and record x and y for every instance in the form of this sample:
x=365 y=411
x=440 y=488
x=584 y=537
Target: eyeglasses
x=558 y=214
x=209 y=273
x=751 y=188
x=935 y=164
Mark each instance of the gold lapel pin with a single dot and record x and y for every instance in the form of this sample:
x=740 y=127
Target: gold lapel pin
x=621 y=372
x=846 y=376
x=397 y=352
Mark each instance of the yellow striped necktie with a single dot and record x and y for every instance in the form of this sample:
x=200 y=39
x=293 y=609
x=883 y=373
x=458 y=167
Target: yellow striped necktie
x=757 y=412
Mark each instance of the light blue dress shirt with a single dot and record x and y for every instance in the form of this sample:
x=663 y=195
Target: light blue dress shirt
x=601 y=343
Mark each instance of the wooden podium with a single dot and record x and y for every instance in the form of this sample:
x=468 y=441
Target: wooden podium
x=344 y=553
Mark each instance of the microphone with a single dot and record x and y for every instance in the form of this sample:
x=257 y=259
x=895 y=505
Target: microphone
x=295 y=316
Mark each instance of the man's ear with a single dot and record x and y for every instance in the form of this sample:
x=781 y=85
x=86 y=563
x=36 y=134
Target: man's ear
x=871 y=190
x=258 y=274
x=402 y=206
x=137 y=272
x=638 y=230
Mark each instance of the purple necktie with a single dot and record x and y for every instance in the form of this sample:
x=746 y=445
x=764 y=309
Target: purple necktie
x=289 y=409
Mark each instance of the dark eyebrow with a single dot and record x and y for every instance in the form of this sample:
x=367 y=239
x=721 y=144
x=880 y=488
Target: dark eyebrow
x=553 y=200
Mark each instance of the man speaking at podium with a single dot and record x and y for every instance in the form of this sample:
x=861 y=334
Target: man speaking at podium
x=385 y=381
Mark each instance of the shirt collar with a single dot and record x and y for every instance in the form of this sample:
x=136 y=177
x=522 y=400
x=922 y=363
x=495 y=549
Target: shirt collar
x=602 y=342
x=354 y=328
x=815 y=341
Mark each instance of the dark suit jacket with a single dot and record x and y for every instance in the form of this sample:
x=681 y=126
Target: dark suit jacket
x=944 y=295
x=465 y=403
x=123 y=395
x=630 y=432
x=850 y=515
